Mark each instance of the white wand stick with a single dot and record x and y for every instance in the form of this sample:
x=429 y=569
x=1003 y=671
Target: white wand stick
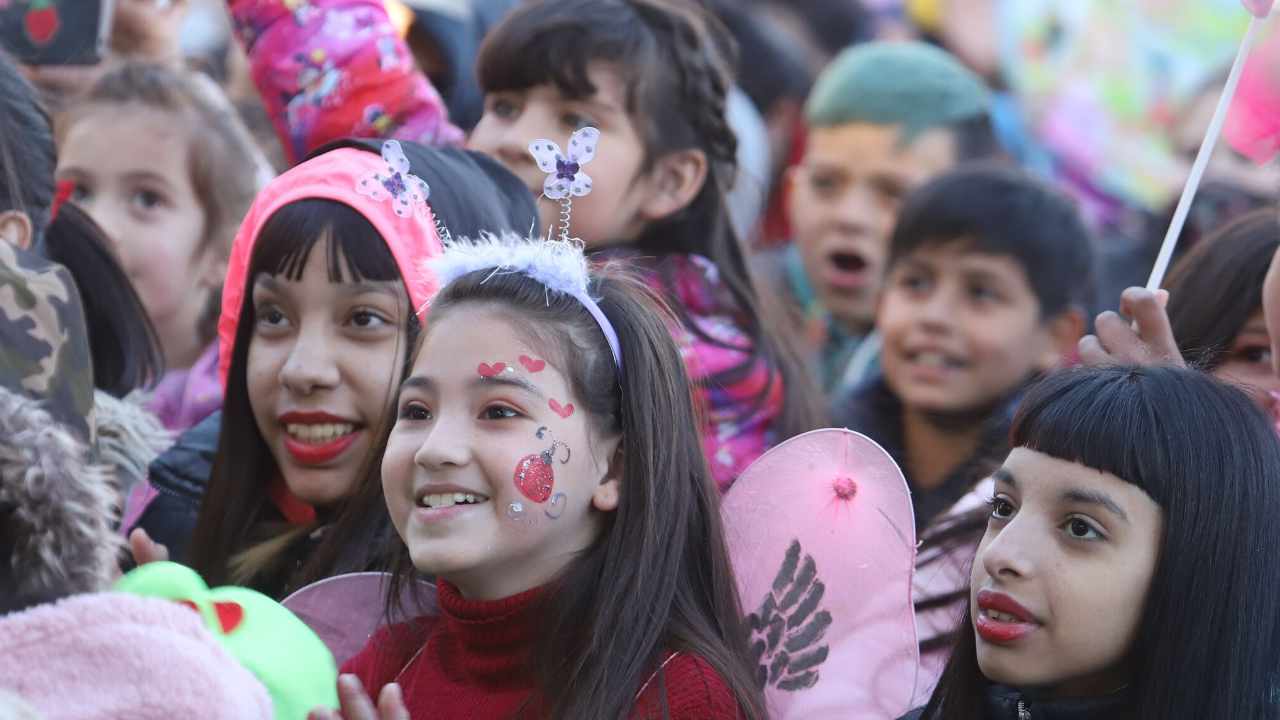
x=1202 y=159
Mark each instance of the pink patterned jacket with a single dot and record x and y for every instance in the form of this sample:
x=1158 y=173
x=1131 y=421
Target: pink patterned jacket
x=737 y=426
x=329 y=69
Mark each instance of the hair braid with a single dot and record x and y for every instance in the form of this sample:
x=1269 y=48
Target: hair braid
x=702 y=50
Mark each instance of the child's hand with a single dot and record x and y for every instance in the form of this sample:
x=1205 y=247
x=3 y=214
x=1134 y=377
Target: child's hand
x=1148 y=340
x=145 y=550
x=356 y=704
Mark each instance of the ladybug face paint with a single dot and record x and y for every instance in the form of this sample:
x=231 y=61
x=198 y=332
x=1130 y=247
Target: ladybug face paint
x=535 y=474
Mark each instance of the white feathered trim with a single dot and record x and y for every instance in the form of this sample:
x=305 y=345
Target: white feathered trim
x=559 y=265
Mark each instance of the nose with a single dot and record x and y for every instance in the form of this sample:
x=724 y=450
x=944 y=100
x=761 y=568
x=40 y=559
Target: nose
x=857 y=209
x=448 y=444
x=1009 y=553
x=311 y=365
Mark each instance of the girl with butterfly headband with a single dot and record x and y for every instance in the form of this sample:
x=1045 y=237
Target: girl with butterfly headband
x=322 y=302
x=543 y=464
x=647 y=81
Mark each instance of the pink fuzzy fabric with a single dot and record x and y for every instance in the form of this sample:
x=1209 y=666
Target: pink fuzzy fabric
x=109 y=655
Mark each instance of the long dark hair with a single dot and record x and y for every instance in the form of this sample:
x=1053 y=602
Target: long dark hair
x=27 y=157
x=1215 y=287
x=675 y=61
x=658 y=578
x=1210 y=634
x=236 y=514
x=126 y=352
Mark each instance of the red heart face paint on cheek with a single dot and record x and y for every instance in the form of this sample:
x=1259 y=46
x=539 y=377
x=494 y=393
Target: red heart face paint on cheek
x=532 y=365
x=488 y=371
x=563 y=411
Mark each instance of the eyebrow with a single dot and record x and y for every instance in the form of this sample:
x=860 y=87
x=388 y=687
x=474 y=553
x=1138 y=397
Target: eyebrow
x=418 y=381
x=1094 y=497
x=1075 y=495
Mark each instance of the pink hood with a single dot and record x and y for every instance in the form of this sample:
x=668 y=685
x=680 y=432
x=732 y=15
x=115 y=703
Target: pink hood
x=332 y=176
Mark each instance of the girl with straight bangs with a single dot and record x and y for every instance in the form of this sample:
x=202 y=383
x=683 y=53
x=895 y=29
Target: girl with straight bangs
x=1215 y=305
x=1129 y=567
x=652 y=77
x=591 y=582
x=322 y=300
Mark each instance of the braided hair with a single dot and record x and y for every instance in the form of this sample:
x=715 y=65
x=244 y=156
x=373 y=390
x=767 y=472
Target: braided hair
x=675 y=61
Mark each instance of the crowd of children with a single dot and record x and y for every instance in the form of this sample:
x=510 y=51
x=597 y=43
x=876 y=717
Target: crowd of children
x=509 y=384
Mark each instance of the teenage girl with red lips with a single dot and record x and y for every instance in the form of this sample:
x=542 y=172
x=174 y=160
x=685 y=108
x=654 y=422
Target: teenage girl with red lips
x=1128 y=570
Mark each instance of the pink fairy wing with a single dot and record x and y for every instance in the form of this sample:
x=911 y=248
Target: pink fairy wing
x=822 y=538
x=345 y=610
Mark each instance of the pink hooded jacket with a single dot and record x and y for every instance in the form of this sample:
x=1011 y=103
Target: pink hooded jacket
x=337 y=175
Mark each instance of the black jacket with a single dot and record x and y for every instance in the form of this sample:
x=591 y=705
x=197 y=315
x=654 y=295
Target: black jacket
x=180 y=475
x=1004 y=703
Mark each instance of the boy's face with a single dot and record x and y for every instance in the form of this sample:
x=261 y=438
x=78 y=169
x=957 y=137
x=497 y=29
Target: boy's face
x=844 y=199
x=961 y=329
x=513 y=119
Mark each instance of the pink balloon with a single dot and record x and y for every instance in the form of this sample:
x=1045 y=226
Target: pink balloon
x=1259 y=8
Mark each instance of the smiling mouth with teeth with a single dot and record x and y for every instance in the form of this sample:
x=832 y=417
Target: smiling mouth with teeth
x=1002 y=617
x=318 y=434
x=444 y=500
x=935 y=359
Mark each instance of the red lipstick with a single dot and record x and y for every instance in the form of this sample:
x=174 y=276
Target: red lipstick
x=1019 y=623
x=316 y=453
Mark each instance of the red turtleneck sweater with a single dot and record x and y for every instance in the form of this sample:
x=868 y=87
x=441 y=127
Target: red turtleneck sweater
x=470 y=663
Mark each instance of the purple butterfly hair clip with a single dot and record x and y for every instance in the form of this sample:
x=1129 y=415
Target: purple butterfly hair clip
x=408 y=192
x=565 y=178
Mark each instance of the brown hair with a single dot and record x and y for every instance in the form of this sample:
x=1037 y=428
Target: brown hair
x=658 y=577
x=674 y=59
x=1217 y=286
x=224 y=163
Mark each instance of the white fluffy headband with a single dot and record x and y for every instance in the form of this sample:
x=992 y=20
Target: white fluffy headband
x=561 y=266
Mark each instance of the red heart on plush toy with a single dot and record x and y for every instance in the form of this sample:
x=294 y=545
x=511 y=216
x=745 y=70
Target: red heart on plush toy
x=230 y=615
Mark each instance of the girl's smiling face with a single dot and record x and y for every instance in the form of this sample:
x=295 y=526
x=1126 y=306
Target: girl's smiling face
x=324 y=358
x=493 y=475
x=1060 y=581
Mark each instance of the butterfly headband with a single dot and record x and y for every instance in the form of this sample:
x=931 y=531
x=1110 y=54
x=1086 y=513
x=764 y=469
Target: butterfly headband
x=559 y=265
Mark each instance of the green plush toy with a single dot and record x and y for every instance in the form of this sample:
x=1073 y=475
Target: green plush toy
x=269 y=640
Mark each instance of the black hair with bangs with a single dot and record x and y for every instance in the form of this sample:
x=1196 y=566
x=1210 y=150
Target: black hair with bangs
x=237 y=522
x=1209 y=638
x=675 y=61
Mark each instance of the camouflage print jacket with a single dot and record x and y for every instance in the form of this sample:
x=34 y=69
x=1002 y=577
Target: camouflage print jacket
x=44 y=346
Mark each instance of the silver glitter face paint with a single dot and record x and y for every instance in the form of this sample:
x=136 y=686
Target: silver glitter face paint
x=556 y=507
x=515 y=511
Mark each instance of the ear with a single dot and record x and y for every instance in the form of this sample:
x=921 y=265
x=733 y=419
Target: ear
x=673 y=183
x=790 y=177
x=1065 y=330
x=607 y=494
x=16 y=228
